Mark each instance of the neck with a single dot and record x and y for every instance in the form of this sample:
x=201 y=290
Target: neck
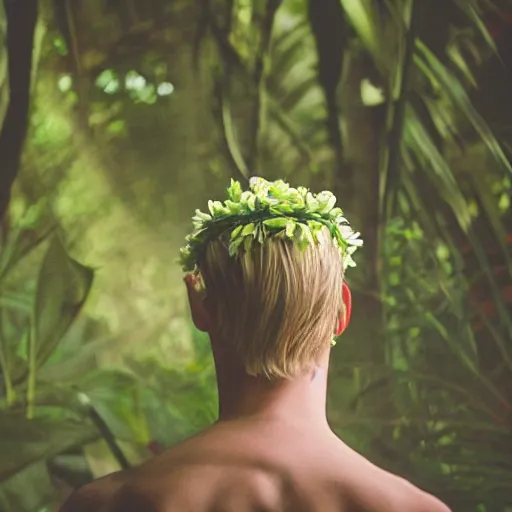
x=298 y=400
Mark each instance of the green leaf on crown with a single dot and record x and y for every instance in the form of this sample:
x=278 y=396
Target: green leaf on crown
x=235 y=191
x=248 y=229
x=291 y=226
x=277 y=223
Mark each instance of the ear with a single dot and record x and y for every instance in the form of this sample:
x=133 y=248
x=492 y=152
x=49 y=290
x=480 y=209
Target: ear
x=198 y=307
x=347 y=310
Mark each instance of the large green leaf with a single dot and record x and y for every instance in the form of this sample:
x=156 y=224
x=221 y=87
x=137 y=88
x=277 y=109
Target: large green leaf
x=62 y=290
x=28 y=491
x=22 y=239
x=24 y=442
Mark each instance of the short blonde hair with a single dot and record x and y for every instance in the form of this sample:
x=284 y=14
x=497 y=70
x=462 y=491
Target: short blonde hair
x=276 y=305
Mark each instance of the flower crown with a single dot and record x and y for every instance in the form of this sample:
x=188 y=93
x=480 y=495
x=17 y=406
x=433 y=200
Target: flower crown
x=269 y=209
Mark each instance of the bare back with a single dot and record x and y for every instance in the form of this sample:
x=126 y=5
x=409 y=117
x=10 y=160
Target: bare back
x=256 y=467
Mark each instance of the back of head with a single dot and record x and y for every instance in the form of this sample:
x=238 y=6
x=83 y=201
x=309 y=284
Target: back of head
x=272 y=259
x=276 y=305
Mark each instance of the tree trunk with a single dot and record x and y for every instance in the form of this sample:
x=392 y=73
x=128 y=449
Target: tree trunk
x=362 y=129
x=363 y=345
x=21 y=22
x=4 y=77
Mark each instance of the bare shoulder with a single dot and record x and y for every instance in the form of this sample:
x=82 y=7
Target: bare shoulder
x=134 y=497
x=114 y=493
x=198 y=487
x=95 y=496
x=389 y=493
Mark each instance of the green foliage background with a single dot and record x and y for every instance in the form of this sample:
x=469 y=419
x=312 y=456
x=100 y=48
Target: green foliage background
x=141 y=111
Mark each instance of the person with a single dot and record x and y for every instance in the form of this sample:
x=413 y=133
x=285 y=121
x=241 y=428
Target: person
x=265 y=279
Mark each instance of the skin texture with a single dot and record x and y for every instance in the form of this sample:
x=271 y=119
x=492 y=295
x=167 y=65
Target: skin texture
x=270 y=451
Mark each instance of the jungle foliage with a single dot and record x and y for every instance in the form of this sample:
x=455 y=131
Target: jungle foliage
x=136 y=112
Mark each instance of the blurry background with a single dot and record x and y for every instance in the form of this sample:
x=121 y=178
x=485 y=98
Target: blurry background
x=120 y=117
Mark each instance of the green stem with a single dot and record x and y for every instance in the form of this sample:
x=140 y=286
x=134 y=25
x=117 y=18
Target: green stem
x=105 y=431
x=9 y=389
x=31 y=385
